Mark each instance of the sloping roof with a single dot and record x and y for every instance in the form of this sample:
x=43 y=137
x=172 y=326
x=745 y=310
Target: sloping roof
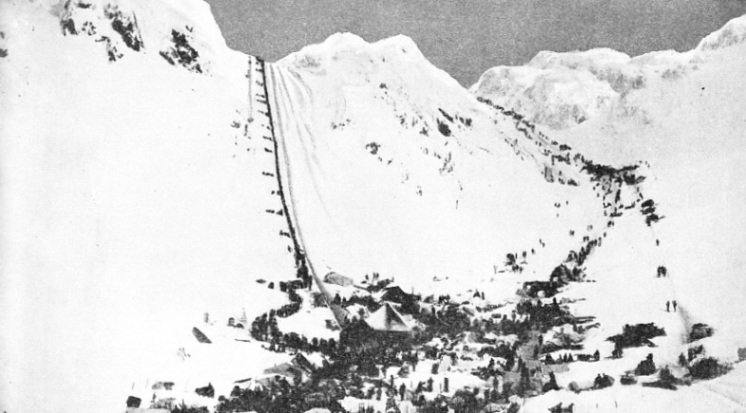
x=200 y=336
x=396 y=295
x=300 y=361
x=387 y=318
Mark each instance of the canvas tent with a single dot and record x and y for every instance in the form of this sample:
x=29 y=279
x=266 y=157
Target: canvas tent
x=384 y=328
x=387 y=318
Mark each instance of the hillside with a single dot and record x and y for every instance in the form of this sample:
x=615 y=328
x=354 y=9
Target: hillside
x=681 y=113
x=420 y=155
x=132 y=198
x=163 y=197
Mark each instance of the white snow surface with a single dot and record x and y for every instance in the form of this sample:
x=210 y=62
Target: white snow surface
x=562 y=90
x=133 y=199
x=461 y=192
x=682 y=113
x=129 y=206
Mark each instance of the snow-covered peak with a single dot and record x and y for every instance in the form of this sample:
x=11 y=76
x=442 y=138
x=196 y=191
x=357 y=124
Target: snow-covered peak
x=340 y=40
x=356 y=58
x=575 y=59
x=733 y=33
x=183 y=33
x=562 y=90
x=154 y=16
x=342 y=43
x=400 y=43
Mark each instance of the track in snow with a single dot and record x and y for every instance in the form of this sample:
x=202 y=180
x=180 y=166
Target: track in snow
x=281 y=98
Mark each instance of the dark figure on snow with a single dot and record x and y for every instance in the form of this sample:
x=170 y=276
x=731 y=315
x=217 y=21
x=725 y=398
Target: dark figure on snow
x=597 y=356
x=597 y=383
x=552 y=384
x=674 y=305
x=646 y=367
x=668 y=306
x=602 y=381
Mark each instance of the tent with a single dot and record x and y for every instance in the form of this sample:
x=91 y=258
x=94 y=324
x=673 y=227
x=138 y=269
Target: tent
x=387 y=318
x=301 y=362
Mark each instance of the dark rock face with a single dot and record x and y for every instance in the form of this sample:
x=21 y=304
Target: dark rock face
x=126 y=26
x=181 y=52
x=77 y=17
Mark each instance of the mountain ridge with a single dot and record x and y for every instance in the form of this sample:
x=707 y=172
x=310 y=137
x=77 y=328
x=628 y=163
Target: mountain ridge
x=151 y=195
x=561 y=90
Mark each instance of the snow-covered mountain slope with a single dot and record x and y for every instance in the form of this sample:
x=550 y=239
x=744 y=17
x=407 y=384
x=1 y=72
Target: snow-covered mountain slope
x=132 y=199
x=140 y=190
x=681 y=112
x=390 y=142
x=561 y=90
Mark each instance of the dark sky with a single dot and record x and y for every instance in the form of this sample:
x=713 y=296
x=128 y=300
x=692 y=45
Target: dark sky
x=465 y=38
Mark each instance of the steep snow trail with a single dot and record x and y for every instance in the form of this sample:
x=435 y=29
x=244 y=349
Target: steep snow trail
x=290 y=95
x=130 y=206
x=289 y=213
x=282 y=101
x=683 y=114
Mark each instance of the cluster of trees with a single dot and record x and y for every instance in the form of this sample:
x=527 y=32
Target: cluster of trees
x=265 y=328
x=279 y=397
